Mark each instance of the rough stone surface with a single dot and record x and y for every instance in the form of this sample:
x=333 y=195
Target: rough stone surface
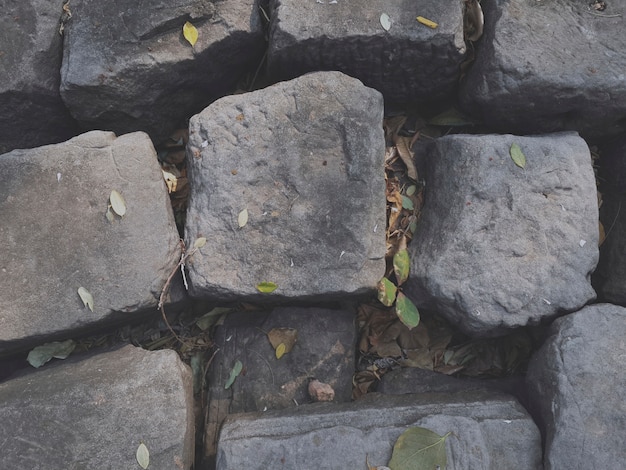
x=59 y=239
x=94 y=412
x=304 y=158
x=498 y=246
x=578 y=385
x=408 y=63
x=324 y=350
x=128 y=67
x=31 y=110
x=550 y=66
x=490 y=432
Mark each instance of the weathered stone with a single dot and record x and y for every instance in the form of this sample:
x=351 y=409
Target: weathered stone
x=127 y=67
x=549 y=66
x=407 y=64
x=31 y=110
x=490 y=431
x=498 y=246
x=270 y=383
x=578 y=385
x=59 y=239
x=304 y=158
x=94 y=412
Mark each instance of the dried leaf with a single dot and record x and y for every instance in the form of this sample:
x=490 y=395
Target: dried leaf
x=117 y=203
x=407 y=311
x=143 y=456
x=386 y=292
x=86 y=297
x=517 y=155
x=199 y=243
x=401 y=266
x=403 y=144
x=283 y=336
x=385 y=21
x=419 y=448
x=426 y=22
x=42 y=354
x=242 y=219
x=280 y=350
x=190 y=32
x=235 y=371
x=266 y=287
x=109 y=215
x=450 y=118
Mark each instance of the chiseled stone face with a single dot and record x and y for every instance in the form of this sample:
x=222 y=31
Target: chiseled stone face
x=304 y=159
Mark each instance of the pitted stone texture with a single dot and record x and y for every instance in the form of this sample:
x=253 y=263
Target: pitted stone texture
x=490 y=431
x=94 y=412
x=409 y=63
x=498 y=246
x=58 y=239
x=549 y=66
x=31 y=110
x=324 y=351
x=305 y=159
x=578 y=387
x=127 y=67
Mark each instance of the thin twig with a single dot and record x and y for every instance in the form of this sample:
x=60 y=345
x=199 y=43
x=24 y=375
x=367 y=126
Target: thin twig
x=618 y=15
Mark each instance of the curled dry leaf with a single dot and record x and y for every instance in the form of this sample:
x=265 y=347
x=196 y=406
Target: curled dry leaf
x=403 y=144
x=426 y=22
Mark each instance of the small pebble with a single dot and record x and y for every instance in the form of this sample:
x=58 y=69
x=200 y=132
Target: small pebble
x=320 y=391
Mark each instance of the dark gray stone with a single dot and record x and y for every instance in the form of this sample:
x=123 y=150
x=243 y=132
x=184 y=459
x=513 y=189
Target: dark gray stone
x=407 y=64
x=498 y=246
x=324 y=351
x=305 y=159
x=578 y=386
x=59 y=239
x=549 y=66
x=94 y=412
x=490 y=431
x=127 y=67
x=31 y=110
x=610 y=277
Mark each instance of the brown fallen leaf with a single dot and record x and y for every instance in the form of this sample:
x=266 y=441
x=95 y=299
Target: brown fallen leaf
x=407 y=156
x=283 y=336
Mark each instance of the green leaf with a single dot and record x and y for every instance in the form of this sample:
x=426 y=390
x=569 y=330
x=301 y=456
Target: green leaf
x=413 y=226
x=418 y=449
x=190 y=32
x=266 y=287
x=407 y=203
x=86 y=297
x=143 y=456
x=407 y=311
x=199 y=243
x=42 y=354
x=517 y=155
x=401 y=266
x=209 y=319
x=411 y=190
x=386 y=292
x=117 y=203
x=235 y=371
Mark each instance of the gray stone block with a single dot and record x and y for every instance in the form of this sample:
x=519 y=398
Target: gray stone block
x=31 y=110
x=94 y=412
x=549 y=66
x=578 y=387
x=407 y=64
x=490 y=431
x=127 y=67
x=56 y=237
x=304 y=158
x=498 y=246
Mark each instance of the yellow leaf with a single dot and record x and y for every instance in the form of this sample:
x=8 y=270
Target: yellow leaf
x=266 y=287
x=117 y=203
x=190 y=32
x=280 y=350
x=427 y=22
x=242 y=219
x=86 y=297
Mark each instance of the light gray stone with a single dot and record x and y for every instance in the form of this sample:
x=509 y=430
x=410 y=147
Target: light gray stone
x=578 y=387
x=56 y=237
x=88 y=413
x=549 y=66
x=490 y=431
x=498 y=246
x=31 y=110
x=127 y=67
x=304 y=158
x=407 y=64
